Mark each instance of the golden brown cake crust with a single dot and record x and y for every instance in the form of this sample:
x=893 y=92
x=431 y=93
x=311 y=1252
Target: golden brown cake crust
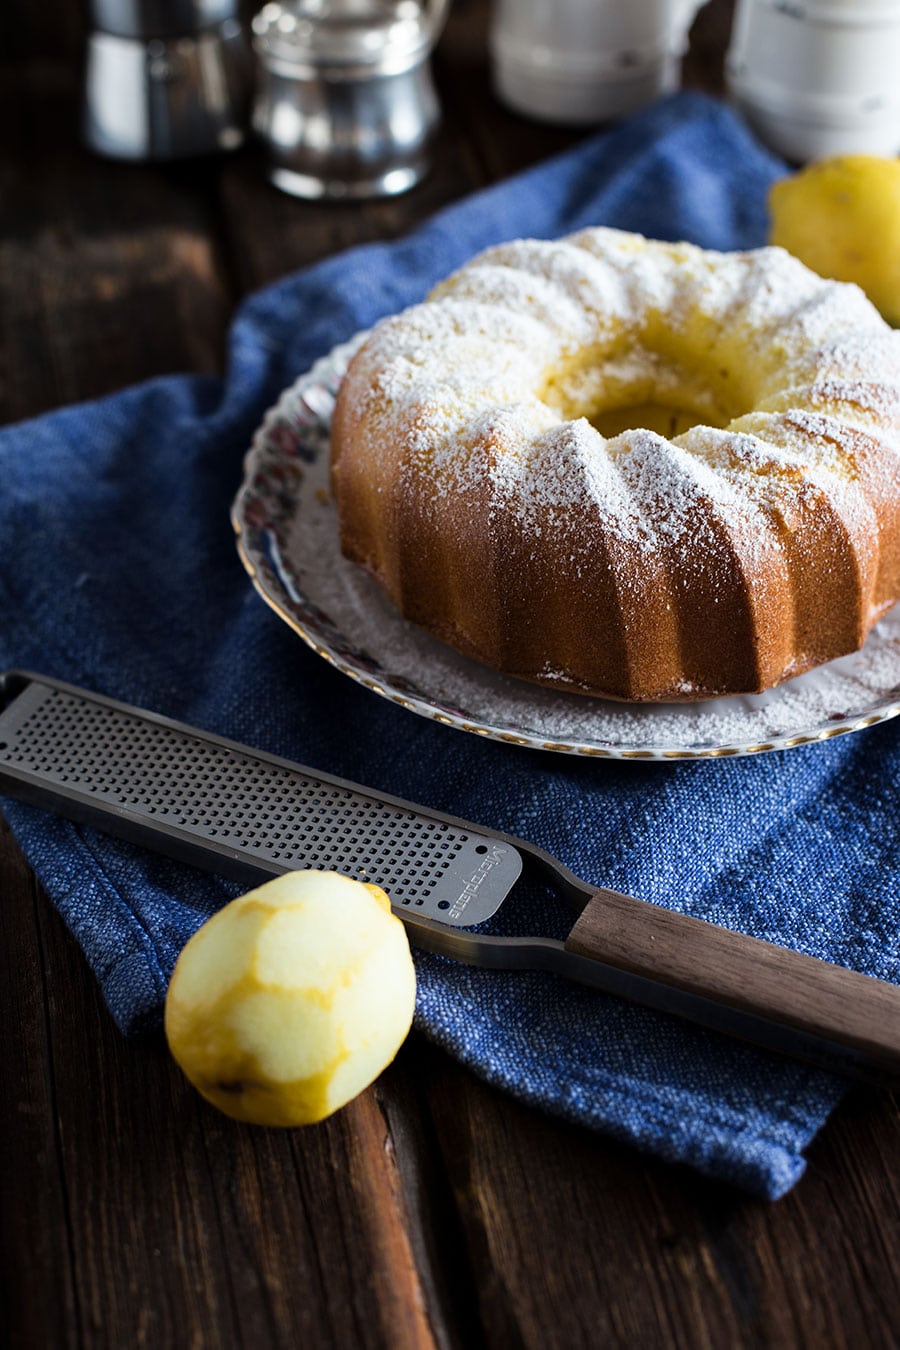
x=627 y=468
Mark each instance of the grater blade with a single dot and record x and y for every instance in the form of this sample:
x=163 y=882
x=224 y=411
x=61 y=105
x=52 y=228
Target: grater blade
x=209 y=801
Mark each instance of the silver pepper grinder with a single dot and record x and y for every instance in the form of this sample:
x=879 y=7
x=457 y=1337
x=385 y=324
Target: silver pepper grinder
x=345 y=105
x=166 y=79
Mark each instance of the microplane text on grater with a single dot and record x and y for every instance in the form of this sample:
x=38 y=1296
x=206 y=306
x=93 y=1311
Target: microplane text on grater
x=266 y=809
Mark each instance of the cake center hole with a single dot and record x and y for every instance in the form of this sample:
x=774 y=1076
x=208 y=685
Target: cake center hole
x=641 y=388
x=663 y=418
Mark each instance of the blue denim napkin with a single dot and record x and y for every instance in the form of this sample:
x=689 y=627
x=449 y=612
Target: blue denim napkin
x=118 y=571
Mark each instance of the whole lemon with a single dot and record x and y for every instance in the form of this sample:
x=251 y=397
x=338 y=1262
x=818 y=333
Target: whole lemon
x=841 y=216
x=292 y=999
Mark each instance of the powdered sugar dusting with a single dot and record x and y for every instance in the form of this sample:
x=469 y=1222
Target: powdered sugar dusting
x=488 y=421
x=462 y=383
x=285 y=517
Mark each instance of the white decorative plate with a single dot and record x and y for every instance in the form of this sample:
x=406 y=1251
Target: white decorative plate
x=287 y=538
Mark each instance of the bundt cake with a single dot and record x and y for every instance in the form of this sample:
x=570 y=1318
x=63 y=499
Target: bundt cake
x=628 y=468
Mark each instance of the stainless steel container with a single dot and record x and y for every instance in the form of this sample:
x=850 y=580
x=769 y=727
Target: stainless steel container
x=166 y=79
x=345 y=103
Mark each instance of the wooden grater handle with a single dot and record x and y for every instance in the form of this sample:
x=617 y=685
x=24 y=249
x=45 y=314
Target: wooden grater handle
x=743 y=973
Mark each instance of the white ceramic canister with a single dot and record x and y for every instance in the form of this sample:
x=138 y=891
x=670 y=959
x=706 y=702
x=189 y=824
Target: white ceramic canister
x=817 y=78
x=586 y=61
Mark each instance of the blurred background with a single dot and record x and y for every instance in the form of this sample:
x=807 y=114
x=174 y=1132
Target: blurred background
x=80 y=229
x=228 y=144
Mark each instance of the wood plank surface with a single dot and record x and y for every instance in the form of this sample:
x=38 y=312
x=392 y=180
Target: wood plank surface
x=434 y=1211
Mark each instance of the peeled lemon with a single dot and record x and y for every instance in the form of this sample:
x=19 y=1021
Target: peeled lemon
x=292 y=999
x=841 y=217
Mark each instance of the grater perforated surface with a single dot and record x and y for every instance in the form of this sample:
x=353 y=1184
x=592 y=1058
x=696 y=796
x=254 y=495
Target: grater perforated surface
x=185 y=784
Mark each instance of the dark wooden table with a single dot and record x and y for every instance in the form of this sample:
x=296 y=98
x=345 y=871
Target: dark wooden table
x=432 y=1210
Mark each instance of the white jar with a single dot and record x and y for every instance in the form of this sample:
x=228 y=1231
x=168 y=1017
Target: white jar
x=818 y=77
x=586 y=61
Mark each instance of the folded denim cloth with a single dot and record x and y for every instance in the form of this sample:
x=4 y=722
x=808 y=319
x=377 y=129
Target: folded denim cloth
x=119 y=573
